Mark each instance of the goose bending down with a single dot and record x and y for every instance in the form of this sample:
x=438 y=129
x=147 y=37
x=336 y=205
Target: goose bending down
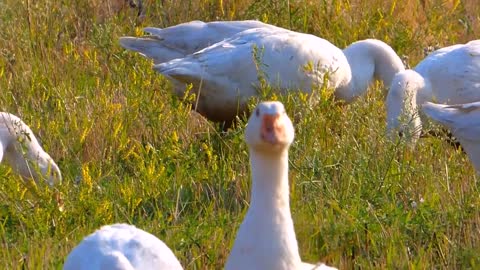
x=20 y=149
x=226 y=74
x=121 y=247
x=464 y=122
x=450 y=75
x=266 y=238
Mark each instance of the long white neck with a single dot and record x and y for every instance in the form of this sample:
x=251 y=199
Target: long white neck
x=19 y=162
x=17 y=152
x=266 y=238
x=270 y=182
x=369 y=59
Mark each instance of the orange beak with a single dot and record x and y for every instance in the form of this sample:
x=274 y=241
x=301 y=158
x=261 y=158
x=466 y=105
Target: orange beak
x=271 y=128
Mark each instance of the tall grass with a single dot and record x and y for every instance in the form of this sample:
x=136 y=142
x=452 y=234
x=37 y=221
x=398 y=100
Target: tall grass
x=132 y=152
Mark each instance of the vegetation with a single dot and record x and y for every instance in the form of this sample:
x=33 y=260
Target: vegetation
x=130 y=151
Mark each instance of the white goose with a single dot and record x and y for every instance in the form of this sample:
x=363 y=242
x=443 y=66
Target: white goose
x=227 y=73
x=121 y=247
x=266 y=238
x=464 y=122
x=178 y=41
x=21 y=150
x=450 y=75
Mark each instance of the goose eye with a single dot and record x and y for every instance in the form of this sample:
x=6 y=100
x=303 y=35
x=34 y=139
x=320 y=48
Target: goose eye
x=257 y=112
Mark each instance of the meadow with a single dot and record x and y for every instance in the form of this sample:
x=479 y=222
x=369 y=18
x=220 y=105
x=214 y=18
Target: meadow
x=130 y=151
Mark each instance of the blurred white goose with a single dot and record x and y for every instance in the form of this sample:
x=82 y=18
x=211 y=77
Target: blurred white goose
x=227 y=73
x=121 y=247
x=464 y=122
x=450 y=75
x=21 y=150
x=178 y=41
x=266 y=238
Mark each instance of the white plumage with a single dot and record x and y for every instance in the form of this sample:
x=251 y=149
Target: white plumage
x=266 y=238
x=21 y=150
x=121 y=247
x=464 y=122
x=226 y=74
x=450 y=75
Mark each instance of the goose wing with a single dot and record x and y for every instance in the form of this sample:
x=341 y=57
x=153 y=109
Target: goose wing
x=180 y=40
x=463 y=119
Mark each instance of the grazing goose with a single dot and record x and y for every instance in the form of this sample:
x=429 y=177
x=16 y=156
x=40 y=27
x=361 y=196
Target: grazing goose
x=226 y=74
x=178 y=41
x=464 y=122
x=266 y=238
x=121 y=247
x=21 y=150
x=450 y=75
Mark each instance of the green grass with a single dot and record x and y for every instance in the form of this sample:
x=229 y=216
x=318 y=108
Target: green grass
x=144 y=158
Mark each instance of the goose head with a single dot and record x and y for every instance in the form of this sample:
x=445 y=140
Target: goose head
x=402 y=111
x=269 y=129
x=49 y=170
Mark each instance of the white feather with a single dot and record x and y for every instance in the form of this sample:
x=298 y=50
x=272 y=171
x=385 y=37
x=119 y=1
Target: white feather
x=163 y=45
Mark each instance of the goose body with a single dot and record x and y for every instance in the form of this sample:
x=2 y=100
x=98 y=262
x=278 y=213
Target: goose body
x=266 y=238
x=21 y=150
x=226 y=74
x=121 y=247
x=450 y=75
x=464 y=122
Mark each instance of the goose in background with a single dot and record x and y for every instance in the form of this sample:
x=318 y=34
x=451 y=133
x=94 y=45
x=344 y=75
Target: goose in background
x=450 y=75
x=464 y=122
x=121 y=247
x=266 y=239
x=20 y=149
x=226 y=74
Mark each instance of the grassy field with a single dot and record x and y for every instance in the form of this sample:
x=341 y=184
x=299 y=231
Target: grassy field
x=132 y=152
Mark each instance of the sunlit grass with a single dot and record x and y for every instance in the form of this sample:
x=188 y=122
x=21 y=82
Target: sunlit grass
x=132 y=152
